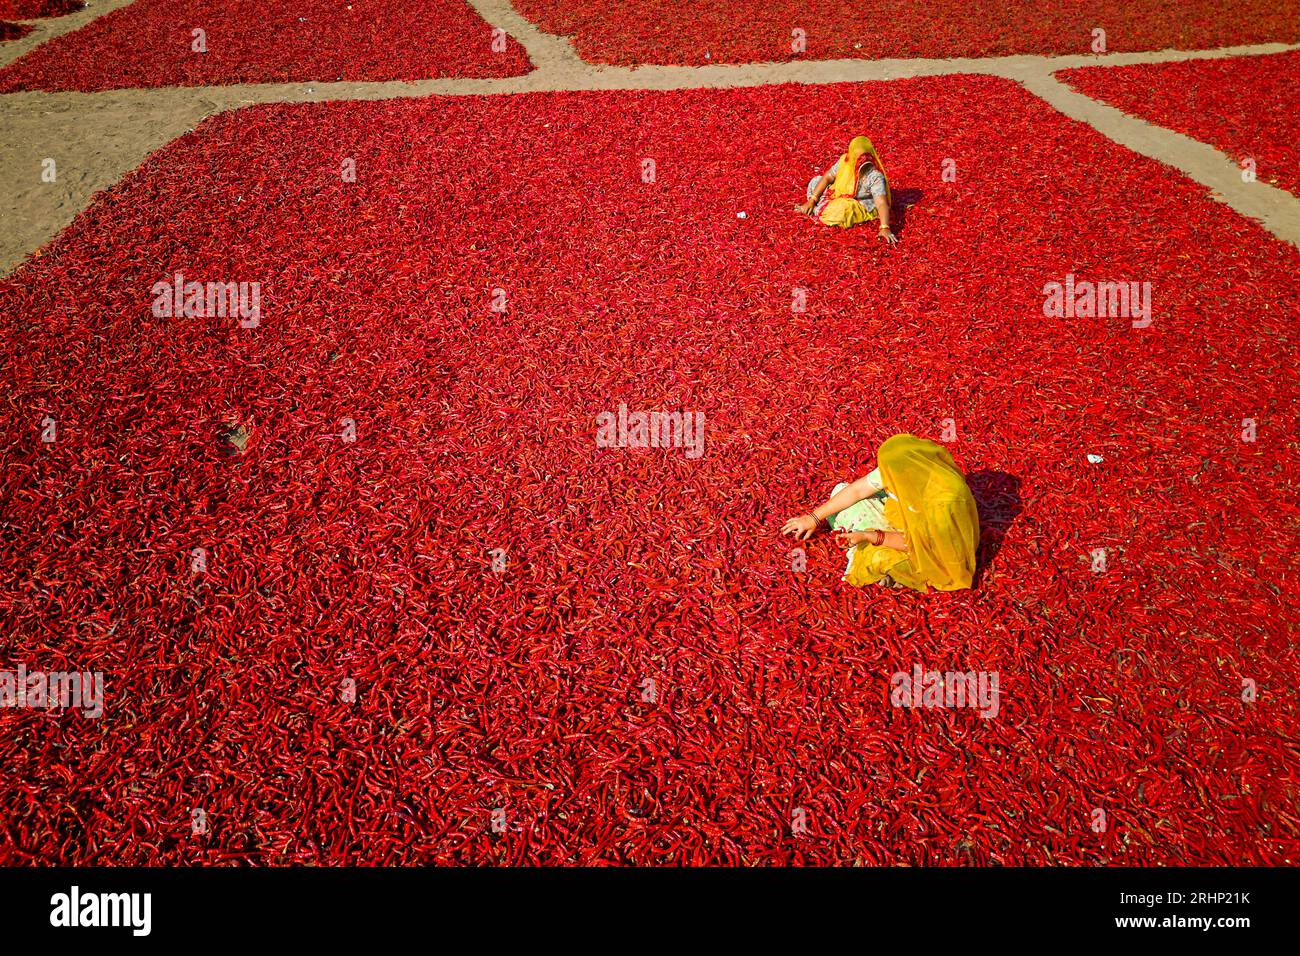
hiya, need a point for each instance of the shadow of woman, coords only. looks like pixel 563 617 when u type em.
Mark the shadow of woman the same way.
pixel 902 201
pixel 997 497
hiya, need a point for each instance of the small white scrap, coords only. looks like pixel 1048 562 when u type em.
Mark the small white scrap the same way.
pixel 1095 459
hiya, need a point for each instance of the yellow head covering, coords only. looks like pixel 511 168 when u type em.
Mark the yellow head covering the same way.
pixel 935 510
pixel 844 209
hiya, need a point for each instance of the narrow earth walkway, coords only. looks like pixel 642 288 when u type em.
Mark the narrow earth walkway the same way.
pixel 94 139
pixel 1276 209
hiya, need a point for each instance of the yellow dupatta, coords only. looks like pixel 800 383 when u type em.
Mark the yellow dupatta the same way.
pixel 844 209
pixel 935 510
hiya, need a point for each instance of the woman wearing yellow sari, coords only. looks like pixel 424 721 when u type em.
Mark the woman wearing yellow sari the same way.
pixel 859 191
pixel 912 521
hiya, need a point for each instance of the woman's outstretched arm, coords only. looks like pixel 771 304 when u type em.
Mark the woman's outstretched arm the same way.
pixel 807 208
pixel 882 210
pixel 805 526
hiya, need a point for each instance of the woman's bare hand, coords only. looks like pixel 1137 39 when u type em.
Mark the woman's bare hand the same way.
pixel 888 236
pixel 802 527
pixel 849 539
pixel 804 209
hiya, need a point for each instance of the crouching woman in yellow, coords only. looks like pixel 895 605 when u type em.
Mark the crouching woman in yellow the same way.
pixel 912 521
pixel 859 191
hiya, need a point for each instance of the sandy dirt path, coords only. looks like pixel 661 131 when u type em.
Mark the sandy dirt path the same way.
pixel 94 139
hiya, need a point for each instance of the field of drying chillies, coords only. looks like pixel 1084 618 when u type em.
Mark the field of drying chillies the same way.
pixel 150 43
pixel 696 32
pixel 1244 107
pixel 523 690
pixel 36 9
